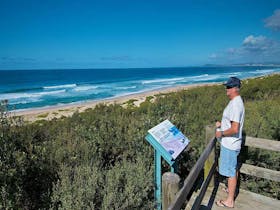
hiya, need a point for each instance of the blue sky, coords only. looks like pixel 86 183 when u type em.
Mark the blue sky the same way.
pixel 137 33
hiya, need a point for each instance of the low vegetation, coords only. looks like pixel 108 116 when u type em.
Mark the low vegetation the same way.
pixel 99 159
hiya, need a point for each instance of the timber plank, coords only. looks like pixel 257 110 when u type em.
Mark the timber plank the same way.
pixel 262 143
pixel 245 200
pixel 260 172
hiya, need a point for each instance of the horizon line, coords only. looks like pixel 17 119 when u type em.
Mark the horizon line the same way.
pixel 157 67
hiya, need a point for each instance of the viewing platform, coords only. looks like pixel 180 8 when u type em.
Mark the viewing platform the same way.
pixel 203 197
pixel 245 200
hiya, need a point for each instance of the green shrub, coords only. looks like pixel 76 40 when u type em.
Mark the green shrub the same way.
pixel 99 159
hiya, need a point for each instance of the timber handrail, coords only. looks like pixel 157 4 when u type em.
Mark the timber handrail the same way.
pixel 181 196
pixel 262 143
pixel 261 172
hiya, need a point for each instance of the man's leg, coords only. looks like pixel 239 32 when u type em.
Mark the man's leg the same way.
pixel 226 188
pixel 232 182
pixel 229 202
pixel 228 167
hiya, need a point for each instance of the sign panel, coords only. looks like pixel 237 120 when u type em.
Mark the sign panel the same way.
pixel 170 138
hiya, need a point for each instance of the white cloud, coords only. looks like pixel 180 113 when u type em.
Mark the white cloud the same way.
pixel 258 44
pixel 213 56
pixel 252 49
pixel 273 21
pixel 117 58
pixel 251 40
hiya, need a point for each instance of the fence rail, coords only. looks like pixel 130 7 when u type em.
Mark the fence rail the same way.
pixel 190 180
pixel 262 143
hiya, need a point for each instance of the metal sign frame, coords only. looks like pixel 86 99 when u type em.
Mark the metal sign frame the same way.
pixel 160 152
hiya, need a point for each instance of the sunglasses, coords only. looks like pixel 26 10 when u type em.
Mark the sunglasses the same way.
pixel 228 87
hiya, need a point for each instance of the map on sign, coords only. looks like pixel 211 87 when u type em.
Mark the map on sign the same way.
pixel 170 138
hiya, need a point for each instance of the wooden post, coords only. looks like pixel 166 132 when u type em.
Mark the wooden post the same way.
pixel 210 134
pixel 170 186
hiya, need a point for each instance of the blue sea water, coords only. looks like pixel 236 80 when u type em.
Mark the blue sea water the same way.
pixel 26 89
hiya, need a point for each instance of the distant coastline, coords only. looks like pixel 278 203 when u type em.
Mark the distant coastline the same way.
pixel 247 64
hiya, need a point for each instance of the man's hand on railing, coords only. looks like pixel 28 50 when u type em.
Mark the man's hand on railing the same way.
pixel 218 124
pixel 218 132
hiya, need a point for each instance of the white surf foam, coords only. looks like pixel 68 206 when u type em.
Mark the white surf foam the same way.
pixel 60 86
pixel 162 80
pixel 85 88
pixel 10 96
pixel 126 88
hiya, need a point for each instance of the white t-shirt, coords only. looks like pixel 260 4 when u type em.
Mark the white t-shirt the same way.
pixel 234 111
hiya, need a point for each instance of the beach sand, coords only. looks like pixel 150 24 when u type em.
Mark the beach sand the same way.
pixel 48 113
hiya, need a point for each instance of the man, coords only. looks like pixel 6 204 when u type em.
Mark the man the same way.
pixel 230 132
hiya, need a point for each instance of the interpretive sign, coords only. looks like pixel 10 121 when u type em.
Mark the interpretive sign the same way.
pixel 170 138
pixel 168 143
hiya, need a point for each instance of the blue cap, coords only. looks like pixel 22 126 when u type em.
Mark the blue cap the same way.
pixel 233 82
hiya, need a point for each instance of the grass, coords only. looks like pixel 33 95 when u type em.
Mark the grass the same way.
pixel 43 115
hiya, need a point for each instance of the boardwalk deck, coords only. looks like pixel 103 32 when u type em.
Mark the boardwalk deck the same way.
pixel 205 200
pixel 245 200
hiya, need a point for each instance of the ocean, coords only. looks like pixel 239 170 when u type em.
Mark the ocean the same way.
pixel 25 89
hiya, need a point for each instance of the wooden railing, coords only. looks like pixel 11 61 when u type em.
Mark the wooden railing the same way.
pixel 209 161
pixel 259 171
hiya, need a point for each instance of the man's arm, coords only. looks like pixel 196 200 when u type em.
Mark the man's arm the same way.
pixel 229 132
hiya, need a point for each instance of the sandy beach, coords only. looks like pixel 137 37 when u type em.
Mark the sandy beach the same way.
pixel 51 112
